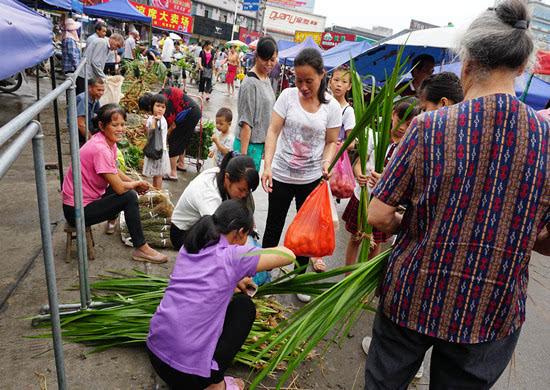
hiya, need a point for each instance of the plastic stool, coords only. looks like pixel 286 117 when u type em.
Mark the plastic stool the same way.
pixel 71 235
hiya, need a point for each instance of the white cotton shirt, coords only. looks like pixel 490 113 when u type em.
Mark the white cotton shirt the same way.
pixel 348 118
pixel 200 198
pixel 299 154
pixel 227 142
pixel 370 165
pixel 167 50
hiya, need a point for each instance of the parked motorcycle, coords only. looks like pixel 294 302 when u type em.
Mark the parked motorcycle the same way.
pixel 13 83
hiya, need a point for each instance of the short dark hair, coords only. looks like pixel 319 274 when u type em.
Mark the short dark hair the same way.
pixel 266 47
pixel 419 61
pixel 165 33
pixel 99 26
pixel 401 108
pixel 159 98
pixel 95 80
pixel 145 102
pixel 109 33
pixel 226 113
pixel 442 85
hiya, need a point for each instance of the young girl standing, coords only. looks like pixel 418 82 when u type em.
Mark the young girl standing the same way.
pixel 198 328
pixel 300 144
pixel 351 213
pixel 158 168
pixel 340 84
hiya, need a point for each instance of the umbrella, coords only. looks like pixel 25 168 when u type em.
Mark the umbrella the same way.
pixel 236 42
pixel 253 44
pixel 380 60
pixel 175 36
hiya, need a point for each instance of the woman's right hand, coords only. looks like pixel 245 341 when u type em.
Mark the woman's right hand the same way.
pixel 362 179
pixel 267 180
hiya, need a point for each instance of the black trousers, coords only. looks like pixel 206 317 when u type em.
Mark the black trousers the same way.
pixel 205 84
pixel 239 318
pixel 177 236
pixel 279 203
pixel 108 207
pixel 180 137
pixel 396 353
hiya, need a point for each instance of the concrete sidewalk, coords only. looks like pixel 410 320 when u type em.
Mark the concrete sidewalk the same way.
pixel 129 368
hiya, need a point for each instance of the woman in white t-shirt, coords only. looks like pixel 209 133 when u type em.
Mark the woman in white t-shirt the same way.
pixel 235 178
pixel 300 143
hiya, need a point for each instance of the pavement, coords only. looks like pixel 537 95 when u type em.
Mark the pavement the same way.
pixel 23 287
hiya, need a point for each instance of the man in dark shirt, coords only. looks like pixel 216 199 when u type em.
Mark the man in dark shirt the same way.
pixel 422 67
pixel 96 89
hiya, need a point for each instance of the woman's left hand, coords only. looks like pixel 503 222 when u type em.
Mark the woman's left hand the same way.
pixel 324 170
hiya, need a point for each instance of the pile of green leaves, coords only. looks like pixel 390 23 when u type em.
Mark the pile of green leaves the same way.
pixel 206 142
pixel 132 156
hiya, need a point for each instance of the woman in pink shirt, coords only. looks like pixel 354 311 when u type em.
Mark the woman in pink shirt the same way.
pixel 106 190
pixel 205 66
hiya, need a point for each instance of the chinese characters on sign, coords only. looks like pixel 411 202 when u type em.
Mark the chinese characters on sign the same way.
pixel 291 18
pixel 166 19
pixel 305 5
pixel 300 36
pixel 181 6
pixel 287 21
pixel 248 36
pixel 331 39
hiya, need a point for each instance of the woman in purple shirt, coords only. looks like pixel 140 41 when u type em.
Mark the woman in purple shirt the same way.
pixel 198 328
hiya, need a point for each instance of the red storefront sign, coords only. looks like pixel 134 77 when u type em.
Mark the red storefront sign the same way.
pixel 169 20
pixel 331 39
pixel 181 6
pixel 248 36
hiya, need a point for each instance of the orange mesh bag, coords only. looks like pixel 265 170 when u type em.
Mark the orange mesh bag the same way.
pixel 312 231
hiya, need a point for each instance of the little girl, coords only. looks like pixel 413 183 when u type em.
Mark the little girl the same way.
pixel 351 213
pixel 158 168
pixel 198 328
pixel 340 84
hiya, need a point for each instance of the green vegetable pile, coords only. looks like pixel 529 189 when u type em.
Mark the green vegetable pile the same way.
pixel 206 143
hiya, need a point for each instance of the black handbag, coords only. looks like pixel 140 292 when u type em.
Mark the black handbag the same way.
pixel 153 149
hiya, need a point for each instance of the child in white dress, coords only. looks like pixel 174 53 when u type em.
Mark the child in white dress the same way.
pixel 158 168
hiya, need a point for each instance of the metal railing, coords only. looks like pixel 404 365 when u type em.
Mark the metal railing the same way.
pixel 32 130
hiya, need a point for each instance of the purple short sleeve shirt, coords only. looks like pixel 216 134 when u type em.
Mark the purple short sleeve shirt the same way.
pixel 189 320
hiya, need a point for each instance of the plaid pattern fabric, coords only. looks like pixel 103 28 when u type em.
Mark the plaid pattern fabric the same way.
pixel 70 54
pixel 475 181
pixel 351 215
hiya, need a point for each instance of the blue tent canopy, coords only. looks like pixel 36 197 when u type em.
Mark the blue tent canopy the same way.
pixel 340 54
pixel 118 9
pixel 73 5
pixel 380 60
pixel 283 45
pixel 287 56
pixel 537 95
pixel 26 38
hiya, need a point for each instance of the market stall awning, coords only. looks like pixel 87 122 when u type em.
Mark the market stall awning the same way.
pixel 118 9
pixel 26 38
pixel 283 45
pixel 341 53
pixel 287 56
pixel 380 60
pixel 73 5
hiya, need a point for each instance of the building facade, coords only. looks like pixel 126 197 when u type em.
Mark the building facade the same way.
pixel 540 24
pixel 361 34
pixel 282 23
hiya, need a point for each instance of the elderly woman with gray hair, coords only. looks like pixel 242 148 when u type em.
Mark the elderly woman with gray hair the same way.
pixel 475 179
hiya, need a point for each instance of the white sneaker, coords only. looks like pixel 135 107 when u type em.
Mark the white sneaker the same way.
pixel 366 344
pixel 420 372
pixel 303 297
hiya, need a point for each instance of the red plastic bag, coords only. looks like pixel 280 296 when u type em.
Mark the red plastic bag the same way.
pixel 312 231
pixel 342 181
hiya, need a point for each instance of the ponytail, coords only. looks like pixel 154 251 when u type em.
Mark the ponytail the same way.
pixel 238 166
pixel 231 215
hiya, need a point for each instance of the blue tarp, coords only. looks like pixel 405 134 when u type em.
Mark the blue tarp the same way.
pixel 26 38
pixel 283 45
pixel 537 95
pixel 380 60
pixel 287 56
pixel 341 53
pixel 118 9
pixel 73 5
